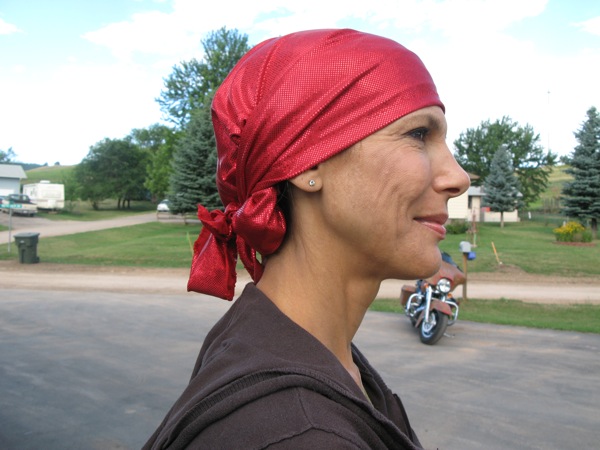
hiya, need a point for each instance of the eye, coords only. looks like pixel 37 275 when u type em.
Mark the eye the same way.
pixel 419 133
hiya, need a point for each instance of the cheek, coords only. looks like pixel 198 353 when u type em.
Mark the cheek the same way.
pixel 410 183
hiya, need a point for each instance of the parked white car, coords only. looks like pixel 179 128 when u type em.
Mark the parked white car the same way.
pixel 163 206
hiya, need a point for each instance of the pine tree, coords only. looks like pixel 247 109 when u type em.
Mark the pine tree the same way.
pixel 193 179
pixel 581 196
pixel 501 185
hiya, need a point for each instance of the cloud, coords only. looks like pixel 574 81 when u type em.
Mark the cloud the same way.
pixel 173 36
pixel 77 106
pixel 155 33
pixel 8 28
pixel 591 26
pixel 177 34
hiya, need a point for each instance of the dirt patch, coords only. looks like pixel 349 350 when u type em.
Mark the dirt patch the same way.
pixel 577 244
pixel 515 275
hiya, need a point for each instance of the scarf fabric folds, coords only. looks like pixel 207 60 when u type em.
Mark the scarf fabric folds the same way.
pixel 289 104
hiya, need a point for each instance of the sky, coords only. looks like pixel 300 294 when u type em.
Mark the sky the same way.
pixel 75 72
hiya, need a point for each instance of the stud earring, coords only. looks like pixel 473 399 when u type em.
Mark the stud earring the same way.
pixel 311 183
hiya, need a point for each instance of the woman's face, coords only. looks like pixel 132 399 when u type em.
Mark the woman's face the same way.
pixel 385 198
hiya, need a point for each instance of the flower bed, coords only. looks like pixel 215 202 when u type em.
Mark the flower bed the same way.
pixel 572 232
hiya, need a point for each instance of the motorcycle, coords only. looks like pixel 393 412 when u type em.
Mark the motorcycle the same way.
pixel 430 305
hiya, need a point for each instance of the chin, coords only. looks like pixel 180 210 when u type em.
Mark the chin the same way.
pixel 426 267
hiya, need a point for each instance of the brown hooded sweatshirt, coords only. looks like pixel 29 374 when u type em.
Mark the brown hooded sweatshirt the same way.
pixel 261 381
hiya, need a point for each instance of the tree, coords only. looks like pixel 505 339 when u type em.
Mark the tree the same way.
pixel 475 149
pixel 89 178
pixel 581 196
pixel 72 189
pixel 190 82
pixel 501 185
pixel 113 168
pixel 160 168
pixel 193 178
pixel 150 139
pixel 7 156
pixel 158 141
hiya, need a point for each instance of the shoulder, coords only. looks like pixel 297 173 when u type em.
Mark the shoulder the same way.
pixel 290 418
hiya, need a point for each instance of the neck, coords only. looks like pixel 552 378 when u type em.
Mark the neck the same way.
pixel 328 303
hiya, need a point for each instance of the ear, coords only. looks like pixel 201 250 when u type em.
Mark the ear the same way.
pixel 308 181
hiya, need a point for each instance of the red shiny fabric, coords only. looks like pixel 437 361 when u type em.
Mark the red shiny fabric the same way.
pixel 291 103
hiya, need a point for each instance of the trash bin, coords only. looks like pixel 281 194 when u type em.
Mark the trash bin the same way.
pixel 27 244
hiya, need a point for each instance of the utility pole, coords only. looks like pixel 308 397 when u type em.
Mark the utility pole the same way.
pixel 549 124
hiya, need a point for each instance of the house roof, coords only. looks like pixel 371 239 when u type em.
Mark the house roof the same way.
pixel 12 171
pixel 479 191
pixel 475 191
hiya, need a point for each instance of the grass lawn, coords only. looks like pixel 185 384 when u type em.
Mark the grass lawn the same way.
pixel 582 318
pixel 154 244
pixel 530 245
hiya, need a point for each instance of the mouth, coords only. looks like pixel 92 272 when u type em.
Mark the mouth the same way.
pixel 435 223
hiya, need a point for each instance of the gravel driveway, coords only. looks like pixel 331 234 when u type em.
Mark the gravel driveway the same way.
pixel 47 227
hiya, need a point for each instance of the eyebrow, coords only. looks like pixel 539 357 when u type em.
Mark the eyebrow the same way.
pixel 428 120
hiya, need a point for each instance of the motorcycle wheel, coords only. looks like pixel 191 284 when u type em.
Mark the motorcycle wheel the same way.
pixel 432 331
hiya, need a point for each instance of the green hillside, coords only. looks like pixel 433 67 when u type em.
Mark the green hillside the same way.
pixel 54 174
pixel 549 199
pixel 557 178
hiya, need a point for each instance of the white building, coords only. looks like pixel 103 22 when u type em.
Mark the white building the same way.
pixel 468 206
pixel 10 179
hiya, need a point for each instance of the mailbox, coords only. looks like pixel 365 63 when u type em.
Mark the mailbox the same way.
pixel 465 247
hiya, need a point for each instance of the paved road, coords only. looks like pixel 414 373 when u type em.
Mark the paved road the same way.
pixel 99 369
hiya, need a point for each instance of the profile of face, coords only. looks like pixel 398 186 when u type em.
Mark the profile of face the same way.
pixel 384 200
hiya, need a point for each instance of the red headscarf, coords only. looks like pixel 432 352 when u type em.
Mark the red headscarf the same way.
pixel 289 104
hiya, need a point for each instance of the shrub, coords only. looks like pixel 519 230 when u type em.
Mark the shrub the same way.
pixel 586 236
pixel 457 227
pixel 572 232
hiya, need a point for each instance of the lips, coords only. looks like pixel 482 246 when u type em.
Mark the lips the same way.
pixel 435 223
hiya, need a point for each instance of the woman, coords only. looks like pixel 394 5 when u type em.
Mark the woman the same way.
pixel 335 175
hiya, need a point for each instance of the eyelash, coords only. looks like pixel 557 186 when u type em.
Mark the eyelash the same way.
pixel 419 133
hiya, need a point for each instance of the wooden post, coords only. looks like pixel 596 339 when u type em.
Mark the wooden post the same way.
pixel 465 259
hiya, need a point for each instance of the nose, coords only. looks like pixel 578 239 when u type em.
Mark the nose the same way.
pixel 451 178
